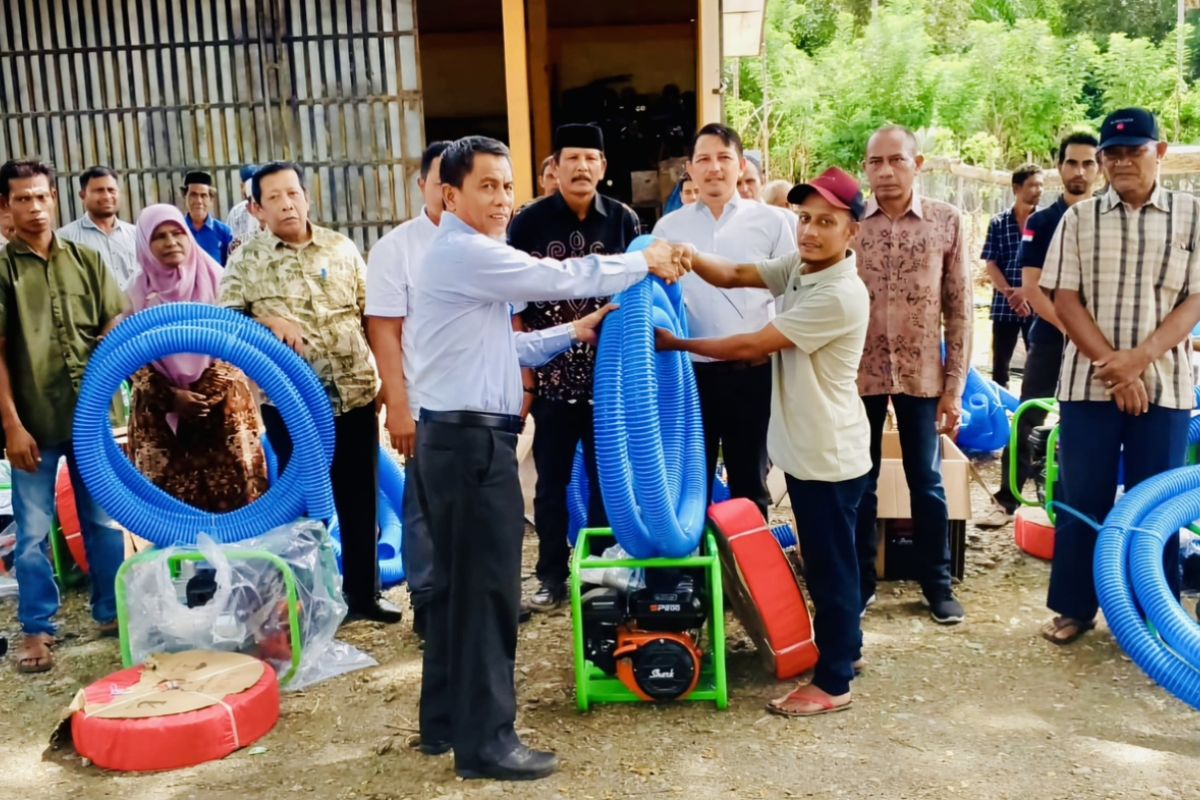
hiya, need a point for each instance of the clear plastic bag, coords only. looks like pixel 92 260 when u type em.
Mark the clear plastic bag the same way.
pixel 235 598
pixel 622 579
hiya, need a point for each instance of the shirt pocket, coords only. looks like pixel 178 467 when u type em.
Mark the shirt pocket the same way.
pixel 1175 277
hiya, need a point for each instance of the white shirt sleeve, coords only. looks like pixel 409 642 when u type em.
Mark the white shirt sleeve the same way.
pixel 535 348
pixel 387 279
pixel 495 272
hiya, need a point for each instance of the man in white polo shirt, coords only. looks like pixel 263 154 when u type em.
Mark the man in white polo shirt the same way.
pixel 819 433
pixel 735 393
pixel 388 266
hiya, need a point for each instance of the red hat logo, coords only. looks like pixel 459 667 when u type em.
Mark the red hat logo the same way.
pixel 1120 126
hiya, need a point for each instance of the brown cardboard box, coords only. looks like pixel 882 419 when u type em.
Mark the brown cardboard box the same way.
pixel 670 170
pixel 895 516
pixel 645 188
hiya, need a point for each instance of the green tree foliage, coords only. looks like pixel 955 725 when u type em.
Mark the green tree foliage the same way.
pixel 995 82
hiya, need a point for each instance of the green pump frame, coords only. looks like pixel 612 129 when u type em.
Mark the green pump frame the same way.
pixel 592 685
pixel 1050 406
pixel 173 563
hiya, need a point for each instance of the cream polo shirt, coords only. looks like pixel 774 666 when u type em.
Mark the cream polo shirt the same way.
pixel 818 429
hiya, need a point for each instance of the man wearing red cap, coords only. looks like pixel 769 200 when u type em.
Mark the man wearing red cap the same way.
pixel 818 432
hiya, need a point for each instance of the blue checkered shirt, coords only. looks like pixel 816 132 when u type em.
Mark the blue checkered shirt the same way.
pixel 1002 245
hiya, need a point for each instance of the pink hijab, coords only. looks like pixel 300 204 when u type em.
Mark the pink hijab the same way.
pixel 196 280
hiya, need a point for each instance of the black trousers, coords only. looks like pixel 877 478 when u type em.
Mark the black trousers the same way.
pixel 471 495
pixel 1042 365
pixel 921 450
pixel 416 546
pixel 559 429
pixel 1004 341
pixel 355 478
pixel 825 514
pixel 735 405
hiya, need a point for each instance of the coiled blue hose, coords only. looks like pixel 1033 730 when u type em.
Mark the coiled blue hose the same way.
pixel 129 498
pixel 1130 580
pixel 390 514
pixel 578 496
pixel 649 440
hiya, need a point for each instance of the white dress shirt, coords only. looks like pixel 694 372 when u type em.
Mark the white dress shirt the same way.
pixel 466 356
pixel 389 273
pixel 118 250
pixel 747 232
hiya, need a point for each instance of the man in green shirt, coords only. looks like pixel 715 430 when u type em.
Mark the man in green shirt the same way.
pixel 57 299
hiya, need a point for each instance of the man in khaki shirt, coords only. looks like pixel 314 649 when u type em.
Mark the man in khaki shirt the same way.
pixel 819 434
pixel 308 285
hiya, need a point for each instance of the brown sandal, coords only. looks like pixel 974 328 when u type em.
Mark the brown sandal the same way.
pixel 35 654
pixel 803 702
pixel 1065 630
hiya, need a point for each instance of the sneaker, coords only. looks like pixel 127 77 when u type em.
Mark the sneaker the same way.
pixel 998 517
pixel 946 610
pixel 549 596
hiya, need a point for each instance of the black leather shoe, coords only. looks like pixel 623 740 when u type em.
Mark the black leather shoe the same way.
pixel 435 748
pixel 522 764
pixel 380 610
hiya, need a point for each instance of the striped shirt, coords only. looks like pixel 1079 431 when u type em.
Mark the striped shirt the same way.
pixel 1131 269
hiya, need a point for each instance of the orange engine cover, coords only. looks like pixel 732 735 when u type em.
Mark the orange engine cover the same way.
pixel 763 589
pixel 657 665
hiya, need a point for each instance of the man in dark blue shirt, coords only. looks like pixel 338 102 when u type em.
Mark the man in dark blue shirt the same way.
pixel 1078 168
pixel 1011 315
pixel 211 234
pixel 575 221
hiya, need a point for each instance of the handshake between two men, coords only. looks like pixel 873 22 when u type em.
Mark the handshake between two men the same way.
pixel 666 260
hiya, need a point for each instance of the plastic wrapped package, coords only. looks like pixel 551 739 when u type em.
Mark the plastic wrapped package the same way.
pixel 235 597
pixel 622 579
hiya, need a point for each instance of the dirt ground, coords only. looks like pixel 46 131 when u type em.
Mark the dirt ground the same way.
pixel 982 710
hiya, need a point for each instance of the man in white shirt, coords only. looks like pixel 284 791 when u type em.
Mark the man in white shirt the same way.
pixel 241 219
pixel 114 239
pixel 389 266
pixel 735 394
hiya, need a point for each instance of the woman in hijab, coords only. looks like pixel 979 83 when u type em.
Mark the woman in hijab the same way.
pixel 194 427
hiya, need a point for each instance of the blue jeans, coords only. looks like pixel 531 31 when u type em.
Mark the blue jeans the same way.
pixel 916 421
pixel 825 513
pixel 33 511
pixel 1091 439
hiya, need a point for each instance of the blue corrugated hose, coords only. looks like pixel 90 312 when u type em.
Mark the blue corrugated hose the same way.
pixel 1132 586
pixel 134 502
pixel 391 512
pixel 578 494
pixel 649 439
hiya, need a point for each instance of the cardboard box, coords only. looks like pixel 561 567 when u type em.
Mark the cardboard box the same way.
pixel 645 188
pixel 895 559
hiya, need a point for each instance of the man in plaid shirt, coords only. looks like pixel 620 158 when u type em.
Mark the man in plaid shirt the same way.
pixel 1011 314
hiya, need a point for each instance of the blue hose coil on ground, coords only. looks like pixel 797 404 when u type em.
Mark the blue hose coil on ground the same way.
pixel 1129 579
pixel 720 487
pixel 390 514
pixel 785 536
pixel 649 439
pixel 287 379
